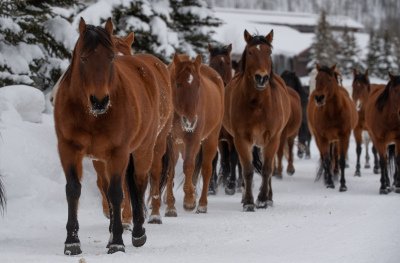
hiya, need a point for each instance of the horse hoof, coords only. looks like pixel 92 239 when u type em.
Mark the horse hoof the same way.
pixel 343 188
pixel 290 171
pixel 300 155
pixel 384 191
pixel 331 185
pixel 230 190
pixel 72 249
pixel 377 170
pixel 171 212
pixel 346 165
pixel 212 192
pixel 397 190
pixel 189 207
pixel 201 209
pixel 249 208
pixel 139 241
pixel 357 173
pixel 270 203
pixel 261 204
pixel 116 248
pixel 308 157
pixel 367 166
pixel 155 219
pixel 278 176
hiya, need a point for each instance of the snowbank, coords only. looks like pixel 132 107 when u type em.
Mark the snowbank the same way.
pixel 20 102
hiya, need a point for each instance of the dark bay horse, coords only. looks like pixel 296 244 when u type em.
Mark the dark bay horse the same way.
pixel 382 119
pixel 332 116
pixel 220 61
pixel 198 96
pixel 304 135
pixel 361 90
pixel 107 108
pixel 289 133
pixel 257 109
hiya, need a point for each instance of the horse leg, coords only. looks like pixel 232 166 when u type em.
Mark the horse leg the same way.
pixel 170 211
pixel 239 182
pixel 224 150
pixel 279 154
pixel 102 184
pixel 71 161
pixel 265 195
pixel 230 187
pixel 191 150
pixel 358 137
pixel 366 143
pixel 126 207
pixel 376 160
pixel 212 189
pixel 210 148
pixel 397 174
pixel 343 145
pixel 383 163
pixel 290 168
pixel 324 148
pixel 245 156
pixel 308 153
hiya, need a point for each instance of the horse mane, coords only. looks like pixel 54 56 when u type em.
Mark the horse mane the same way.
pixel 256 40
pixel 384 96
pixel 293 81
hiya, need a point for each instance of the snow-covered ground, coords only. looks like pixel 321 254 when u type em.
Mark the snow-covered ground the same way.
pixel 308 222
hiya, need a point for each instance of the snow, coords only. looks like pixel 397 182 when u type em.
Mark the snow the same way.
pixel 308 223
pixel 18 58
pixel 62 31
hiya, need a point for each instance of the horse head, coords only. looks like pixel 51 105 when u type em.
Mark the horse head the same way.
pixel 93 63
pixel 326 84
pixel 256 59
pixel 123 44
pixel 220 60
pixel 361 88
pixel 187 90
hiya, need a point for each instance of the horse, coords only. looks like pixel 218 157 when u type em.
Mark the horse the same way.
pixel 198 96
pixel 382 119
pixel 220 61
pixel 361 90
pixel 257 109
pixel 332 116
pixel 107 108
pixel 304 135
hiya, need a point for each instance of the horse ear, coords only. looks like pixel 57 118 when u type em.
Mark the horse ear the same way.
pixel 209 47
pixel 176 59
pixel 82 26
pixel 366 73
pixel 247 36
pixel 129 39
pixel 270 36
pixel 391 76
pixel 198 61
pixel 317 66
pixel 109 26
pixel 333 68
pixel 355 72
pixel 229 48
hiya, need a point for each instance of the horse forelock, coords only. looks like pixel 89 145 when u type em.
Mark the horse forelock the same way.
pixel 95 35
pixel 327 70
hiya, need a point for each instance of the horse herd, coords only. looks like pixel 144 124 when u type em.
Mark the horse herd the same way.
pixel 134 116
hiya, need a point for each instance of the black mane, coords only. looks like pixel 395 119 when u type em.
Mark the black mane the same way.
pixel 95 35
pixel 361 78
pixel 327 70
pixel 221 50
pixel 293 81
pixel 384 96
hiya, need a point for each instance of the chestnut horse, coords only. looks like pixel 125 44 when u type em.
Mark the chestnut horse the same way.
pixel 122 135
pixel 257 109
pixel 332 116
pixel 361 90
pixel 198 96
pixel 220 61
pixel 382 119
pixel 289 134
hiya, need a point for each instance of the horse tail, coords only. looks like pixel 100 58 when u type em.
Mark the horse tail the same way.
pixel 320 169
pixel 257 163
pixel 167 161
pixel 197 166
pixel 391 160
pixel 136 198
pixel 3 199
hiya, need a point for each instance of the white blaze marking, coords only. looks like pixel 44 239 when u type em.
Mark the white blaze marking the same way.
pixel 190 79
pixel 258 47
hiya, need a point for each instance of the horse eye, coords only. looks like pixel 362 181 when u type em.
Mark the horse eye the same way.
pixel 250 53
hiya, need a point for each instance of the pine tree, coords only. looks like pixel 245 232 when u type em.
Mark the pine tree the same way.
pixel 386 58
pixel 193 21
pixel 373 54
pixel 323 47
pixel 348 57
pixel 396 53
pixel 29 54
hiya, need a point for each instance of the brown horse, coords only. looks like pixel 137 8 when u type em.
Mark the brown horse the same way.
pixel 382 119
pixel 361 90
pixel 220 61
pixel 289 134
pixel 257 109
pixel 122 135
pixel 331 115
pixel 198 96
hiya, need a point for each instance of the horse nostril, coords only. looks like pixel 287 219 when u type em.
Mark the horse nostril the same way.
pixel 258 78
pixel 105 101
pixel 99 104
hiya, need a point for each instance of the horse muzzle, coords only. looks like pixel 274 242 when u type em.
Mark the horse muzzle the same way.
pixel 187 125
pixel 261 81
pixel 99 106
